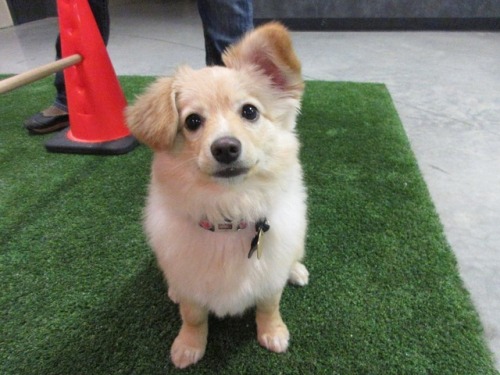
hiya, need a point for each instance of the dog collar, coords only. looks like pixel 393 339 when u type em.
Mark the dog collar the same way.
pixel 261 226
pixel 226 226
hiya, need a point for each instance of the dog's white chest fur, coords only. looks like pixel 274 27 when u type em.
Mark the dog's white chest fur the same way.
pixel 213 268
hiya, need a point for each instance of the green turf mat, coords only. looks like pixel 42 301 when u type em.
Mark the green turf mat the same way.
pixel 81 293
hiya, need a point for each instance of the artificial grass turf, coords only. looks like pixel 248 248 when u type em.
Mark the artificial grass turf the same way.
pixel 81 293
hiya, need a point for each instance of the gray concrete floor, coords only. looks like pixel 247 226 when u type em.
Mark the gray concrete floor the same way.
pixel 446 87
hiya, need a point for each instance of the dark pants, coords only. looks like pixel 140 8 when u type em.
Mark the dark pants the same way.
pixel 224 22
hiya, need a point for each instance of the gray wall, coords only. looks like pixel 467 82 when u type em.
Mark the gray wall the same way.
pixel 444 14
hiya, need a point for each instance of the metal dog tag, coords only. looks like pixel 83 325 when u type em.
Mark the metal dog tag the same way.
pixel 259 248
pixel 256 245
pixel 260 227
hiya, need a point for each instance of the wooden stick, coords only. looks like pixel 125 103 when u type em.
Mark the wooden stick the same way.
pixel 40 72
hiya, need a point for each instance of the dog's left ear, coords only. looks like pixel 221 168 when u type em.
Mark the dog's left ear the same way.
pixel 153 118
pixel 269 49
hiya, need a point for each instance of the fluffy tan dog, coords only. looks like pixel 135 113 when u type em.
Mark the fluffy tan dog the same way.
pixel 226 213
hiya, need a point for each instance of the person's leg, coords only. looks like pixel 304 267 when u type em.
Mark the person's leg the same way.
pixel 224 22
pixel 55 117
pixel 60 102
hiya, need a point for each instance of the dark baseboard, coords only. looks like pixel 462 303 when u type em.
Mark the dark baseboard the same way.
pixel 387 24
pixel 23 11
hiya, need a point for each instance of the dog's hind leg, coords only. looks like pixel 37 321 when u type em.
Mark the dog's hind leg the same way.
pixel 189 345
pixel 299 275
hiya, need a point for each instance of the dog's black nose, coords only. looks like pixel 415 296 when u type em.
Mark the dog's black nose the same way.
pixel 226 150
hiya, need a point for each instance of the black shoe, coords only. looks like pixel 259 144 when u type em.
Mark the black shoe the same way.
pixel 41 124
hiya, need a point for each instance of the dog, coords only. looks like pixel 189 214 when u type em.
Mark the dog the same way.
pixel 226 210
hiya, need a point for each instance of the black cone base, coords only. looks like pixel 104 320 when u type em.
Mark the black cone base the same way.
pixel 62 144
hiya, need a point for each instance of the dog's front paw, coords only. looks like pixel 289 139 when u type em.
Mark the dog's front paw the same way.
pixel 184 354
pixel 299 275
pixel 275 339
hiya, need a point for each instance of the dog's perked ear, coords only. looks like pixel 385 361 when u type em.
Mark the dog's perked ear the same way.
pixel 269 49
pixel 153 118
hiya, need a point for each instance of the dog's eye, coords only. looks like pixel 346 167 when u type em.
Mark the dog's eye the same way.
pixel 249 112
pixel 193 122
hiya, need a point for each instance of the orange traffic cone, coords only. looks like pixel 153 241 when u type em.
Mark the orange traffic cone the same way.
pixel 95 98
